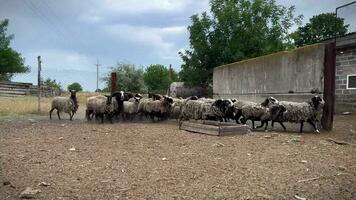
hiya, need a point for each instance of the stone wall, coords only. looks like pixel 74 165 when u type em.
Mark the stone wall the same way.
pixel 345 65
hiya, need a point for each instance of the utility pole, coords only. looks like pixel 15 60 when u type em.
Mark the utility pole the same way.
pixel 97 74
pixel 170 73
pixel 39 83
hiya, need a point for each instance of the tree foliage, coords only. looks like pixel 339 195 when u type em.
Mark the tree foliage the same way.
pixel 52 84
pixel 234 30
pixel 75 86
pixel 157 78
pixel 10 61
pixel 319 27
pixel 129 78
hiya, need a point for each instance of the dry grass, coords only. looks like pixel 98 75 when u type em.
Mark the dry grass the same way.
pixel 28 104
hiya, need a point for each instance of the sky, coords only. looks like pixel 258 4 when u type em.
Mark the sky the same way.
pixel 72 35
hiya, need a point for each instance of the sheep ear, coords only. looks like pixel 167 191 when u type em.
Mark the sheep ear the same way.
pixel 265 103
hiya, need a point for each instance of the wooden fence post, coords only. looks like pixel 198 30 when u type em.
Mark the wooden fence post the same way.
pixel 113 82
pixel 329 86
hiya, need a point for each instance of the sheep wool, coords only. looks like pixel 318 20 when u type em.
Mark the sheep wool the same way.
pixel 131 107
pixel 297 112
pixel 63 104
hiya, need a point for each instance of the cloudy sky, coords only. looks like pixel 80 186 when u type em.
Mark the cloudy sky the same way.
pixel 71 35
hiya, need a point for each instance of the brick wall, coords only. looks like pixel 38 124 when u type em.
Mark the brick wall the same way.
pixel 345 65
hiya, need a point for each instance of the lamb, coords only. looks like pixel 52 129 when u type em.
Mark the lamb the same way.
pixel 130 108
pixel 65 104
pixel 295 112
pixel 101 105
pixel 159 108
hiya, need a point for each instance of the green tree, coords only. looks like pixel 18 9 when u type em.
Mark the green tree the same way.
pixel 75 86
pixel 234 30
pixel 319 27
pixel 11 61
pixel 157 78
pixel 129 78
pixel 52 84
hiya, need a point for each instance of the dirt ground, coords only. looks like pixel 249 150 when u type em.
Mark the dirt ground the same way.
pixel 147 160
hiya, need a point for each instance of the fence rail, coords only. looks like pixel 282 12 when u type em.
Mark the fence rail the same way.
pixel 18 89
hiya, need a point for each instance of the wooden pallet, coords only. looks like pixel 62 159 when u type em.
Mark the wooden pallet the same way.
pixel 214 128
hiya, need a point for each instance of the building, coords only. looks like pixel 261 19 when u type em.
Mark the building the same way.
pixel 345 86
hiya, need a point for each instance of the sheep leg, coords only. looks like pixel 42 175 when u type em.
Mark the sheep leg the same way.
pixel 301 126
pixel 50 113
pixel 87 114
pixel 70 116
pixel 266 125
pixel 313 125
pixel 253 124
pixel 102 118
pixel 237 116
pixel 282 125
pixel 59 117
pixel 262 124
pixel 152 117
pixel 243 120
pixel 110 116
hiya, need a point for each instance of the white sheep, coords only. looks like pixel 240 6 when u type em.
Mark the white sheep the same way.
pixel 65 104
pixel 130 108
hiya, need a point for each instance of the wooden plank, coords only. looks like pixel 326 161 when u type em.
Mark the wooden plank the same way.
pixel 218 130
pixel 232 130
pixel 216 123
pixel 199 128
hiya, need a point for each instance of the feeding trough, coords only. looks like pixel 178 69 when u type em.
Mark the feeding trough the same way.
pixel 214 127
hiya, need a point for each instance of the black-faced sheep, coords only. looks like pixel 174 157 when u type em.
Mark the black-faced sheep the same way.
pixel 257 112
pixel 204 110
pixel 101 106
pixel 65 104
pixel 154 96
pixel 295 112
pixel 159 108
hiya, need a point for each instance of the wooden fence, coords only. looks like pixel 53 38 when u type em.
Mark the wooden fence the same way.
pixel 18 89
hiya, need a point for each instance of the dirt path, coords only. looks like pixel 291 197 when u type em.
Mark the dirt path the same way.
pixel 158 161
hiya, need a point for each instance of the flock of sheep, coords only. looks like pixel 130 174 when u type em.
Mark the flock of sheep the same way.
pixel 127 106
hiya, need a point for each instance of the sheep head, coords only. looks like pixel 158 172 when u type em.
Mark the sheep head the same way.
pixel 269 101
pixel 277 110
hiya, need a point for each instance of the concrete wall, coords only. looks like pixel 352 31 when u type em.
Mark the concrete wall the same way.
pixel 345 99
pixel 289 75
